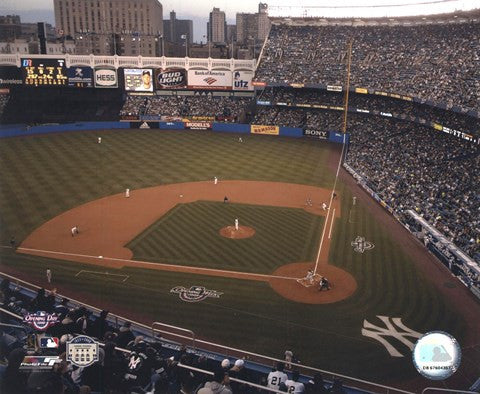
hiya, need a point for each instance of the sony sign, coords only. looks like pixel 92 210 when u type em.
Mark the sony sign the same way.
pixel 106 78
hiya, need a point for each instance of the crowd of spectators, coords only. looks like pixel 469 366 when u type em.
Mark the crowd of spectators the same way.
pixel 205 105
pixel 128 363
pixel 3 102
pixel 414 167
pixel 298 117
pixel 439 62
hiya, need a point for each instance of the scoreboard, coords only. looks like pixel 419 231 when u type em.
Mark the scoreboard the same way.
pixel 44 72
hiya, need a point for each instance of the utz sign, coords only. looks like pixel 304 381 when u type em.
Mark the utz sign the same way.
pixel 41 320
pixel 242 80
pixel 106 78
pixel 171 78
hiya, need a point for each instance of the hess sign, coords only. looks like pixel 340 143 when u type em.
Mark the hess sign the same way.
pixel 44 72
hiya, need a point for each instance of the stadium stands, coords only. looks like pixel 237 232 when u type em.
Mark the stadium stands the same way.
pixel 231 108
pixel 146 364
pixel 432 61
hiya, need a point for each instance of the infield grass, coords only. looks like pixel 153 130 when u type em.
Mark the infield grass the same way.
pixel 45 175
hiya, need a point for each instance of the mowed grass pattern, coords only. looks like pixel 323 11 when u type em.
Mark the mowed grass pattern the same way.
pixel 189 235
pixel 46 175
pixel 43 176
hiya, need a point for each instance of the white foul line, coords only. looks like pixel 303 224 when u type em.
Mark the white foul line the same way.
pixel 202 270
pixel 329 206
pixel 331 224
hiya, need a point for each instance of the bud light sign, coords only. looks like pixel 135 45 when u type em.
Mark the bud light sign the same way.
pixel 173 78
pixel 242 80
pixel 106 78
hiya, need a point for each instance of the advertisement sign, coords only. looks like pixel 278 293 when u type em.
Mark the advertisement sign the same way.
pixel 210 79
pixel 258 83
pixel 334 88
pixel 322 135
pixel 242 80
pixel 173 78
pixel 138 79
pixel 196 118
pixel 80 77
pixel 261 129
pixel 361 90
pixel 44 72
pixel 10 76
pixel 198 125
pixel 106 78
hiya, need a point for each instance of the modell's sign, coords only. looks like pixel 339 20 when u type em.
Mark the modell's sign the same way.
pixel 171 78
pixel 198 125
pixel 106 78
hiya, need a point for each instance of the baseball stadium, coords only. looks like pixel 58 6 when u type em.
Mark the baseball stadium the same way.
pixel 303 221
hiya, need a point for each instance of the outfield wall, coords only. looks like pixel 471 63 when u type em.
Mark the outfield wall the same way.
pixel 24 130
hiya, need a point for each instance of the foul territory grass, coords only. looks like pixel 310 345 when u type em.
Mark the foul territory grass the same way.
pixel 189 235
pixel 44 176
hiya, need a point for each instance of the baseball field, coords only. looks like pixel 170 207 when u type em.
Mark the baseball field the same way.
pixel 173 254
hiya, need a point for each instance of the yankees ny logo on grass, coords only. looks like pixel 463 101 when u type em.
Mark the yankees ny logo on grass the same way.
pixel 195 293
pixel 360 245
pixel 372 331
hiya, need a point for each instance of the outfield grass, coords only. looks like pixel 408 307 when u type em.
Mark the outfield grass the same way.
pixel 189 235
pixel 46 175
pixel 43 176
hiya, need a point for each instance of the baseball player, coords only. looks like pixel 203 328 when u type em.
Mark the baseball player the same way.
pixel 99 140
pixel 236 224
pixel 49 275
pixel 277 377
pixel 215 180
pixel 354 200
pixel 324 284
pixel 240 139
pixel 293 385
pixel 309 276
pixel 127 193
pixel 74 231
pixel 324 206
pixel 308 202
pixel 225 199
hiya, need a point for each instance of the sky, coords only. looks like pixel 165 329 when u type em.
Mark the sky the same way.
pixel 198 10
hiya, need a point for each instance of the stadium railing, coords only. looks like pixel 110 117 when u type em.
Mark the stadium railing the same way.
pixel 254 361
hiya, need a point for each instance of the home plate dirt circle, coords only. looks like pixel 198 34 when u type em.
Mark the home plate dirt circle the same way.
pixel 342 283
pixel 242 232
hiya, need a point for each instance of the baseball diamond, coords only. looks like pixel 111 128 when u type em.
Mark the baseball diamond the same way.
pixel 166 239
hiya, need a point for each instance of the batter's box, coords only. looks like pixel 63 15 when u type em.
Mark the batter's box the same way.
pixel 309 282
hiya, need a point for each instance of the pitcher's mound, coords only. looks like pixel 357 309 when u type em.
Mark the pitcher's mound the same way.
pixel 242 232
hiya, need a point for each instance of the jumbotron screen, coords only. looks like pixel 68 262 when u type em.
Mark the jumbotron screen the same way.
pixel 138 80
pixel 44 72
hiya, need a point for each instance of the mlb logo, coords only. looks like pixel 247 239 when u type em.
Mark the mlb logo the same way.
pixel 49 343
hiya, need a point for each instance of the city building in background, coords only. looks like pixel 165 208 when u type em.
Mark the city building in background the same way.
pixel 251 31
pixel 174 29
pixel 108 27
pixel 31 38
pixel 217 26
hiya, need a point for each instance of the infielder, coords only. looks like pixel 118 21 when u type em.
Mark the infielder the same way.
pixel 74 230
pixel 215 180
pixel 127 193
pixel 49 275
pixel 324 206
pixel 236 224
